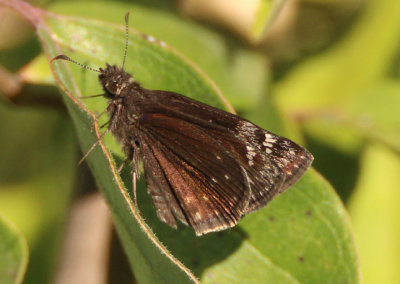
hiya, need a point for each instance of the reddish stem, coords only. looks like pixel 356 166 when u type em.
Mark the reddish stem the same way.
pixel 29 12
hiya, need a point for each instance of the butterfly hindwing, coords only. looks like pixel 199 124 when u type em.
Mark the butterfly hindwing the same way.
pixel 209 183
pixel 165 202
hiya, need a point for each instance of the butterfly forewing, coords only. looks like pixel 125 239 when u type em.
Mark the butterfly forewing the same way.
pixel 223 164
pixel 266 152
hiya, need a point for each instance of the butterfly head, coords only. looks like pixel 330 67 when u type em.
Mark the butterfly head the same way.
pixel 115 81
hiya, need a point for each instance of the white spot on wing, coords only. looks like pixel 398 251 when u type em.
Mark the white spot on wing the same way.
pixel 250 154
pixel 247 130
pixel 249 148
pixel 269 138
pixel 266 144
pixel 197 216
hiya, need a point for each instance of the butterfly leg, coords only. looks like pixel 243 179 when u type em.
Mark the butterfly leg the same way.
pixel 123 164
pixel 97 119
pixel 135 169
pixel 111 123
pixel 134 180
pixel 93 146
pixel 104 124
pixel 114 109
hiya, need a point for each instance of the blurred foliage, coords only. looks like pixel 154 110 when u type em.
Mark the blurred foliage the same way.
pixel 326 73
pixel 13 254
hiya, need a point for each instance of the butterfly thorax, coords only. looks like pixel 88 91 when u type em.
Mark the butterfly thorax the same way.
pixel 122 91
pixel 116 82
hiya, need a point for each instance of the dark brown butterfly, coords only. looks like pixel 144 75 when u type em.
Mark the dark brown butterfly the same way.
pixel 203 166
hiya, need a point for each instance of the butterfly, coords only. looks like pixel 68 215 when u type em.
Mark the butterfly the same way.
pixel 203 166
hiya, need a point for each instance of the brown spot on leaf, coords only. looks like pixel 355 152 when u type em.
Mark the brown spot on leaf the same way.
pixel 195 262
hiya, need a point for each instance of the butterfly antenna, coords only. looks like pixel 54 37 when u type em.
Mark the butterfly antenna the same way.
pixel 64 57
pixel 126 38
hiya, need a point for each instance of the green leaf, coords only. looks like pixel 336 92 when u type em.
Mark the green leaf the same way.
pixel 375 215
pixel 38 170
pixel 318 242
pixel 302 236
pixel 241 73
pixel 374 113
pixel 343 93
pixel 37 71
pixel 367 116
pixel 13 254
pixel 99 42
pixel 361 58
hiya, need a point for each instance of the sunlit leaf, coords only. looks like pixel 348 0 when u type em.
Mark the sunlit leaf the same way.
pixel 375 213
pixel 13 254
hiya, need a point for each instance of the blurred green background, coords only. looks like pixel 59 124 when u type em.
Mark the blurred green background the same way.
pixel 329 69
